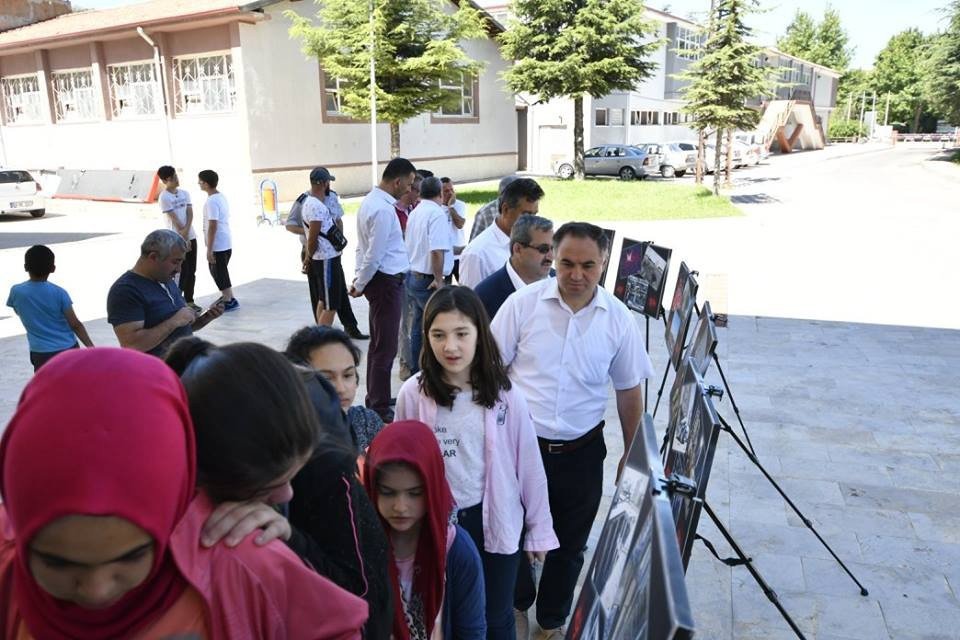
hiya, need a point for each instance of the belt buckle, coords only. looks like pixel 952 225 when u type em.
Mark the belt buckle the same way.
pixel 555 447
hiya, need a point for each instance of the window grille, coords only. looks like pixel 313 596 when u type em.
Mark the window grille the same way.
pixel 616 117
pixel 75 96
pixel 204 84
pixel 461 103
pixel 134 89
pixel 22 99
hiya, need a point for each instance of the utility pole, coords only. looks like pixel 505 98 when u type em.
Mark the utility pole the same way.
pixel 863 106
pixel 849 105
pixel 373 100
pixel 873 122
pixel 886 115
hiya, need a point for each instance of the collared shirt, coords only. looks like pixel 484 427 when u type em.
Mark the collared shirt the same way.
pixel 485 254
pixel 515 278
pixel 379 239
pixel 458 237
pixel 562 361
pixel 428 229
pixel 484 217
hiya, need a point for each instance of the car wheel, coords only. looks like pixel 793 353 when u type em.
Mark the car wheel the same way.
pixel 667 171
pixel 38 213
pixel 565 171
pixel 627 173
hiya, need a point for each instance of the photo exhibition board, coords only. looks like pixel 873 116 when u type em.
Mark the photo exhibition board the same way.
pixel 641 276
pixel 692 442
pixel 635 586
pixel 704 342
pixel 610 234
pixel 681 312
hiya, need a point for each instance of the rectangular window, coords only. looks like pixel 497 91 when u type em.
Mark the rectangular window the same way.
pixel 204 84
pixel 671 117
pixel 75 96
pixel 333 94
pixel 616 117
pixel 460 103
pixel 134 89
pixel 22 99
pixel 601 118
pixel 644 118
pixel 689 43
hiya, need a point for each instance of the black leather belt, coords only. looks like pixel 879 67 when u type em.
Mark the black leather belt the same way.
pixel 394 276
pixel 566 446
pixel 422 276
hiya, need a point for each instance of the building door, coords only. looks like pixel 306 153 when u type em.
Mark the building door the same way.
pixel 522 139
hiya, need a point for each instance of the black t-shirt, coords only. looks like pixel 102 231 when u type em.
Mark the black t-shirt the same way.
pixel 133 298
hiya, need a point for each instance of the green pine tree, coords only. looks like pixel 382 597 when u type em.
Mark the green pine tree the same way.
pixel 832 44
pixel 725 77
pixel 572 48
pixel 416 45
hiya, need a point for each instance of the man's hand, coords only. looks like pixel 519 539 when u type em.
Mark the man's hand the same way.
pixel 210 257
pixel 354 293
pixel 436 284
pixel 184 316
pixel 234 521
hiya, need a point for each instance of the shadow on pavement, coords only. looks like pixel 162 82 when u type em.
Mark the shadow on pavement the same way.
pixel 14 240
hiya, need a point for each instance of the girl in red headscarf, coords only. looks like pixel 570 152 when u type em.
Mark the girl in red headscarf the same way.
pixel 101 524
pixel 435 571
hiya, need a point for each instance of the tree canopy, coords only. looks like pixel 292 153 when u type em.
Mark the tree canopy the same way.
pixel 942 84
pixel 825 43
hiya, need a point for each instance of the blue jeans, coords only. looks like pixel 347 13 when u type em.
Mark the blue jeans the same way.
pixel 417 295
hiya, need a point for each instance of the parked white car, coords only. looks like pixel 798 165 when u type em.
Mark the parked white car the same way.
pixel 20 193
pixel 670 158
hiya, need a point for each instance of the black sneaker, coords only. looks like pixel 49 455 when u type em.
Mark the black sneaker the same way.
pixel 356 335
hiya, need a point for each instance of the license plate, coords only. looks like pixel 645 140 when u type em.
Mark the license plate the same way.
pixel 22 203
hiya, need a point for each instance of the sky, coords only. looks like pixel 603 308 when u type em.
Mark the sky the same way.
pixel 869 23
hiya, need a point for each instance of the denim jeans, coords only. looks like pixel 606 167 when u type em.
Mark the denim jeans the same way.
pixel 418 293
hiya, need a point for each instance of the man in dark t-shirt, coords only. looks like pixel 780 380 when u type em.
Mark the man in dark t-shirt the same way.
pixel 145 306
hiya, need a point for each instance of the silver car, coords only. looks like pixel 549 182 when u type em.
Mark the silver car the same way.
pixel 671 159
pixel 622 160
pixel 20 193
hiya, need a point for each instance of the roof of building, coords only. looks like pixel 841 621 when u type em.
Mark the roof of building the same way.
pixel 151 13
pixel 826 70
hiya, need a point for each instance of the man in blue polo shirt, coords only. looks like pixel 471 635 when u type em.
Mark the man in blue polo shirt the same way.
pixel 145 306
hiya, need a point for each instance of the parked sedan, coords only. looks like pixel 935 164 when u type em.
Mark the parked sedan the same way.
pixel 20 193
pixel 670 159
pixel 609 160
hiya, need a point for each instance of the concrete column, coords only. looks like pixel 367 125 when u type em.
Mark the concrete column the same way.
pixel 46 86
pixel 100 79
pixel 166 66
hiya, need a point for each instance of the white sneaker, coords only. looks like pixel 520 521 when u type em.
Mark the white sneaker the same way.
pixel 550 634
pixel 522 621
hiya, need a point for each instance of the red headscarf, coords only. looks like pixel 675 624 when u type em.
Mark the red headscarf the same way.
pixel 413 443
pixel 102 432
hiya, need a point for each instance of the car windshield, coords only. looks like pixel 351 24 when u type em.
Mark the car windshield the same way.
pixel 8 176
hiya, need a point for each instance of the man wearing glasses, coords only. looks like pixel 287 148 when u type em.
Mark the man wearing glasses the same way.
pixel 531 260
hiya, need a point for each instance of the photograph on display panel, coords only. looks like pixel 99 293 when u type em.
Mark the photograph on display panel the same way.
pixel 690 450
pixel 641 274
pixel 704 343
pixel 681 310
pixel 634 587
pixel 610 234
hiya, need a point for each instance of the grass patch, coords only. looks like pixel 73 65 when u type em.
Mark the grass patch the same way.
pixel 955 157
pixel 600 200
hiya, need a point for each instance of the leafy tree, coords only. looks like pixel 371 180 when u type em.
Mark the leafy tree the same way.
pixel 942 81
pixel 416 44
pixel 853 84
pixel 725 77
pixel 832 44
pixel 572 48
pixel 842 128
pixel 800 39
pixel 899 73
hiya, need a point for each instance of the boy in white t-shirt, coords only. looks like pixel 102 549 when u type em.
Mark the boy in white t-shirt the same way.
pixel 216 235
pixel 178 210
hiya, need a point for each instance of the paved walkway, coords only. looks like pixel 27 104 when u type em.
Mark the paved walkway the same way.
pixel 859 421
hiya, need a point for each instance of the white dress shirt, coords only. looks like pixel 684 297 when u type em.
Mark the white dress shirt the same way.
pixel 515 278
pixel 459 238
pixel 485 254
pixel 562 361
pixel 428 229
pixel 379 239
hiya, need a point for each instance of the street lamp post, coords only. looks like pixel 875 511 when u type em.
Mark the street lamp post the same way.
pixel 373 100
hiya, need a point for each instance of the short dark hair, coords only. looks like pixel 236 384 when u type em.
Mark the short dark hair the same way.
pixel 311 337
pixel 166 172
pixel 521 188
pixel 210 177
pixel 430 188
pixel 487 373
pixel 398 168
pixel 424 173
pixel 251 414
pixel 582 230
pixel 38 261
pixel 445 180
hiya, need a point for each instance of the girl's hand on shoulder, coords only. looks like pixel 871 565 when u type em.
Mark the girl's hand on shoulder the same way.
pixel 232 522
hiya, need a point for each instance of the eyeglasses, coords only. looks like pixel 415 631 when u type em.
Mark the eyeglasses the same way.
pixel 543 249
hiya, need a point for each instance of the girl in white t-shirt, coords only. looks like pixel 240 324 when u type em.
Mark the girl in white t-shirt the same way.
pixel 489 446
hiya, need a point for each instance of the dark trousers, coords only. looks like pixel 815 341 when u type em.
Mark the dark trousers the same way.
pixel 40 358
pixel 385 295
pixel 499 577
pixel 418 293
pixel 188 272
pixel 218 269
pixel 575 484
pixel 345 312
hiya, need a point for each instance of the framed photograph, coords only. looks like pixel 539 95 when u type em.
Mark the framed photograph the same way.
pixel 641 274
pixel 634 587
pixel 692 442
pixel 681 310
pixel 704 343
pixel 610 234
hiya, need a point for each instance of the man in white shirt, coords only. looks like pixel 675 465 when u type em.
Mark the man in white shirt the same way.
pixel 430 248
pixel 488 213
pixel 321 259
pixel 175 204
pixel 488 251
pixel 216 235
pixel 381 267
pixel 564 339
pixel 458 221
